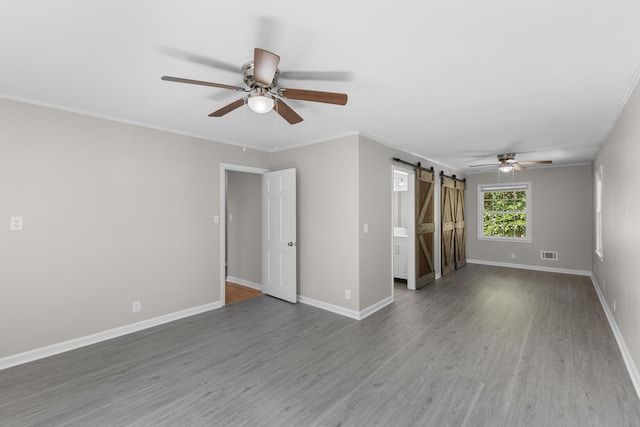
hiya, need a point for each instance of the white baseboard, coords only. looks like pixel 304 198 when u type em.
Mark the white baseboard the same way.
pixel 375 307
pixel 329 307
pixel 51 350
pixel 248 284
pixel 357 315
pixel 626 354
pixel 531 267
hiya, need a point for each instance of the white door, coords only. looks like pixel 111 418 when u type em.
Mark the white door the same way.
pixel 279 244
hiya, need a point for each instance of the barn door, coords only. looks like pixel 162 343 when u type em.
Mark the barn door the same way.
pixel 448 224
pixel 460 251
pixel 425 228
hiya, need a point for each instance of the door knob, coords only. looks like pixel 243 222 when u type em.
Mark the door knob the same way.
pixel 291 244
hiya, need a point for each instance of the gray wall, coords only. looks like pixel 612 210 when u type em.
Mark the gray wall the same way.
pixel 375 207
pixel 562 212
pixel 327 185
pixel 343 184
pixel 116 213
pixel 244 229
pixel 618 272
pixel 113 213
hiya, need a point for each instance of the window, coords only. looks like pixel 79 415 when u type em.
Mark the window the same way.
pixel 504 212
pixel 599 212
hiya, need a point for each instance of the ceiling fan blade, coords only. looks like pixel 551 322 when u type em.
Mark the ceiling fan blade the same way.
pixel 265 65
pixel 481 166
pixel 314 95
pixel 228 108
pixel 199 82
pixel 535 162
pixel 338 76
pixel 286 112
pixel 517 166
pixel 199 59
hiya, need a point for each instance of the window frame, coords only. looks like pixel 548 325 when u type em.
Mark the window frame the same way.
pixel 512 186
pixel 598 213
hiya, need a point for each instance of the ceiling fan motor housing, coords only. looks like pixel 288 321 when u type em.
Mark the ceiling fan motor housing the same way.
pixel 247 76
pixel 507 157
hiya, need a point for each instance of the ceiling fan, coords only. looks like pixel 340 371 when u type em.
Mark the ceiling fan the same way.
pixel 261 77
pixel 507 162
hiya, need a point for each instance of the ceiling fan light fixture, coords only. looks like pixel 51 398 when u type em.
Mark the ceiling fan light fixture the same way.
pixel 260 103
pixel 506 168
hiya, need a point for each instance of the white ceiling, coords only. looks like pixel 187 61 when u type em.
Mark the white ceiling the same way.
pixel 453 81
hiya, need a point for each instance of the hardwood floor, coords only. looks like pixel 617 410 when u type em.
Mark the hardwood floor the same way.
pixel 485 346
pixel 235 293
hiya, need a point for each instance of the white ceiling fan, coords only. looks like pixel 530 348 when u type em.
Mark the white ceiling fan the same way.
pixel 507 162
pixel 263 95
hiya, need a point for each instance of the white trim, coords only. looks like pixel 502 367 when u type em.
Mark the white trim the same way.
pixel 411 229
pixel 531 267
pixel 449 170
pixel 626 354
pixel 237 144
pixel 623 102
pixel 329 307
pixel 51 350
pixel 504 239
pixel 599 253
pixel 598 212
pixel 375 307
pixel 327 138
pixel 507 186
pixel 357 315
pixel 224 167
pixel 247 283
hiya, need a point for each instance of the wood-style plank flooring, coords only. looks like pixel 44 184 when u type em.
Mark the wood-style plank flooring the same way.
pixel 236 293
pixel 485 346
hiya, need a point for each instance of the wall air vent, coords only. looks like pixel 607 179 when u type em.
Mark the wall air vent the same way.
pixel 549 255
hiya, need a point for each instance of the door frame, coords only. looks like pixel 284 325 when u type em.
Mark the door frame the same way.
pixel 224 167
pixel 411 229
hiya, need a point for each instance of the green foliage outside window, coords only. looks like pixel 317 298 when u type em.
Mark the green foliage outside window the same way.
pixel 505 214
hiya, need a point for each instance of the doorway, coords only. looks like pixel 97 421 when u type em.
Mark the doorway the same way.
pixel 240 232
pixel 403 228
pixel 277 236
pixel 243 219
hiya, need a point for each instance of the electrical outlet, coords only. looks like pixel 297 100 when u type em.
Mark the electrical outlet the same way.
pixel 136 306
pixel 366 228
pixel 513 255
pixel 347 294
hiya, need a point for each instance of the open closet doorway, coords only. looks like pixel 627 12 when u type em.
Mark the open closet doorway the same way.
pixel 240 232
pixel 403 231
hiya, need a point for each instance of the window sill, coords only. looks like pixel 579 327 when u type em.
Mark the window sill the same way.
pixel 504 239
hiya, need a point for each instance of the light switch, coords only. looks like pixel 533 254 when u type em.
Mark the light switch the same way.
pixel 15 224
pixel 366 228
pixel 216 219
